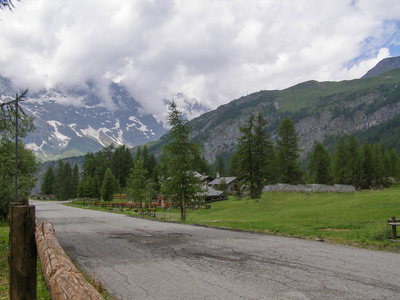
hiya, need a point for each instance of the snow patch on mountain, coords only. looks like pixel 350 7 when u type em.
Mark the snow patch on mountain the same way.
pixel 63 140
pixel 73 126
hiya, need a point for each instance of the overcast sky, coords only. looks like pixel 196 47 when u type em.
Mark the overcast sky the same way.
pixel 211 50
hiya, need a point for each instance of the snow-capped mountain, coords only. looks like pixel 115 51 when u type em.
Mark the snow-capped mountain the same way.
pixel 74 121
pixel 190 107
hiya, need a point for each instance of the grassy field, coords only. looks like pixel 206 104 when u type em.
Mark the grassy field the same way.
pixel 42 292
pixel 357 219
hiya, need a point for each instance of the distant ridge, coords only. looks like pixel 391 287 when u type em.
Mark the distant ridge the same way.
pixel 384 66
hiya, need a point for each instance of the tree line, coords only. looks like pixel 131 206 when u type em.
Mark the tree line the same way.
pixel 258 161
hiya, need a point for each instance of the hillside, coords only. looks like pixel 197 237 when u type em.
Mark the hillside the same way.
pixel 320 110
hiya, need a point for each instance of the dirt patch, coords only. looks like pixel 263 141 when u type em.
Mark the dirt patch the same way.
pixel 333 229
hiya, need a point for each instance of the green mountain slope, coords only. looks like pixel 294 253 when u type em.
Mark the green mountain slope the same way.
pixel 320 110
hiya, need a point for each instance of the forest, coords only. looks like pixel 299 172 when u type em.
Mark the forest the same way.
pixel 257 162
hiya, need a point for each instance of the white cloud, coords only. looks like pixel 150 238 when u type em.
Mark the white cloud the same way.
pixel 214 51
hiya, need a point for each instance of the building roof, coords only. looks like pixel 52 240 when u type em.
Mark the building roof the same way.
pixel 226 180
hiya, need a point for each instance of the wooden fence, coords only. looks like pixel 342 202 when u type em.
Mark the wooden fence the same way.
pixel 393 222
pixel 63 280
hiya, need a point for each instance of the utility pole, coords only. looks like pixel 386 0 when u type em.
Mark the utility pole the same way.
pixel 22 256
pixel 16 148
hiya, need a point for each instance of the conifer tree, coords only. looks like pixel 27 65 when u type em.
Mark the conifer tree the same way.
pixel 59 180
pixel 49 180
pixel 136 183
pixel 319 166
pixel 75 181
pixel 288 153
pixel 180 184
pixel 368 167
pixel 110 186
pixel 254 153
pixel 121 164
pixel 355 162
pixel 220 167
pixel 342 162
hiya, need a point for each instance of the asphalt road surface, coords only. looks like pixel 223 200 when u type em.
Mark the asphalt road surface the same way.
pixel 143 259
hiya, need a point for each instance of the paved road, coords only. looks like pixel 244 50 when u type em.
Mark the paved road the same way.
pixel 144 259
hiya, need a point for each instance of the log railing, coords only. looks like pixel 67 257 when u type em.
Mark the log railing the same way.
pixel 63 280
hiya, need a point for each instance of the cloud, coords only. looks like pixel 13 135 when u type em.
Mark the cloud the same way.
pixel 214 51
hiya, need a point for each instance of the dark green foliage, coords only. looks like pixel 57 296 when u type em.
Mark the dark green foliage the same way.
pixel 109 186
pixel 136 183
pixel 75 181
pixel 49 180
pixel 254 159
pixel 342 163
pixel 220 167
pixel 121 164
pixel 180 185
pixel 89 187
pixel 288 153
pixel 320 164
pixel 27 168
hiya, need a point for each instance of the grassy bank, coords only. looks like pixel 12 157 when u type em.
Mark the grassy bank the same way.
pixel 42 292
pixel 358 219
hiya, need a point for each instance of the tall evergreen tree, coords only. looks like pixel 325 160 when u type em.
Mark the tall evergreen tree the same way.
pixel 288 152
pixel 220 167
pixel 75 181
pixel 368 167
pixel 180 184
pixel 342 172
pixel 59 180
pixel 121 164
pixel 319 166
pixel 109 187
pixel 254 155
pixel 49 181
pixel 136 183
pixel 66 183
pixel 355 162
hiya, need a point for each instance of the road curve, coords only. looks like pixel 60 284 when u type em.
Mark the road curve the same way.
pixel 143 259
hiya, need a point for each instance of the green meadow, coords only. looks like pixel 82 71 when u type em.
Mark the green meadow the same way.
pixel 357 219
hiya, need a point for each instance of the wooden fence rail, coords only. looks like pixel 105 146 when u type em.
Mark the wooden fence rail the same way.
pixel 393 222
pixel 63 280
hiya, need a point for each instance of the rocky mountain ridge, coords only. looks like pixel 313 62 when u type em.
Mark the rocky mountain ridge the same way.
pixel 71 121
pixel 320 110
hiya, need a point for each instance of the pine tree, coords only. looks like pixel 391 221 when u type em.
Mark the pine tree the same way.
pixel 49 180
pixel 355 162
pixel 220 167
pixel 59 180
pixel 66 183
pixel 368 167
pixel 342 172
pixel 109 186
pixel 136 183
pixel 254 155
pixel 121 164
pixel 319 166
pixel 288 153
pixel 75 181
pixel 180 184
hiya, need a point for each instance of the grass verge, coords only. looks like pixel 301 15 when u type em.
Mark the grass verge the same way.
pixel 357 219
pixel 42 292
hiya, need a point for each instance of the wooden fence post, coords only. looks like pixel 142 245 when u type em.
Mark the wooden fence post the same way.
pixel 22 255
pixel 394 233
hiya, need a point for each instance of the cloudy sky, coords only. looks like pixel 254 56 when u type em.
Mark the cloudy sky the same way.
pixel 211 50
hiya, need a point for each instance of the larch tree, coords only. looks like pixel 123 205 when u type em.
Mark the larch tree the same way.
pixel 136 183
pixel 110 186
pixel 49 180
pixel 288 152
pixel 180 183
pixel 254 155
pixel 320 165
